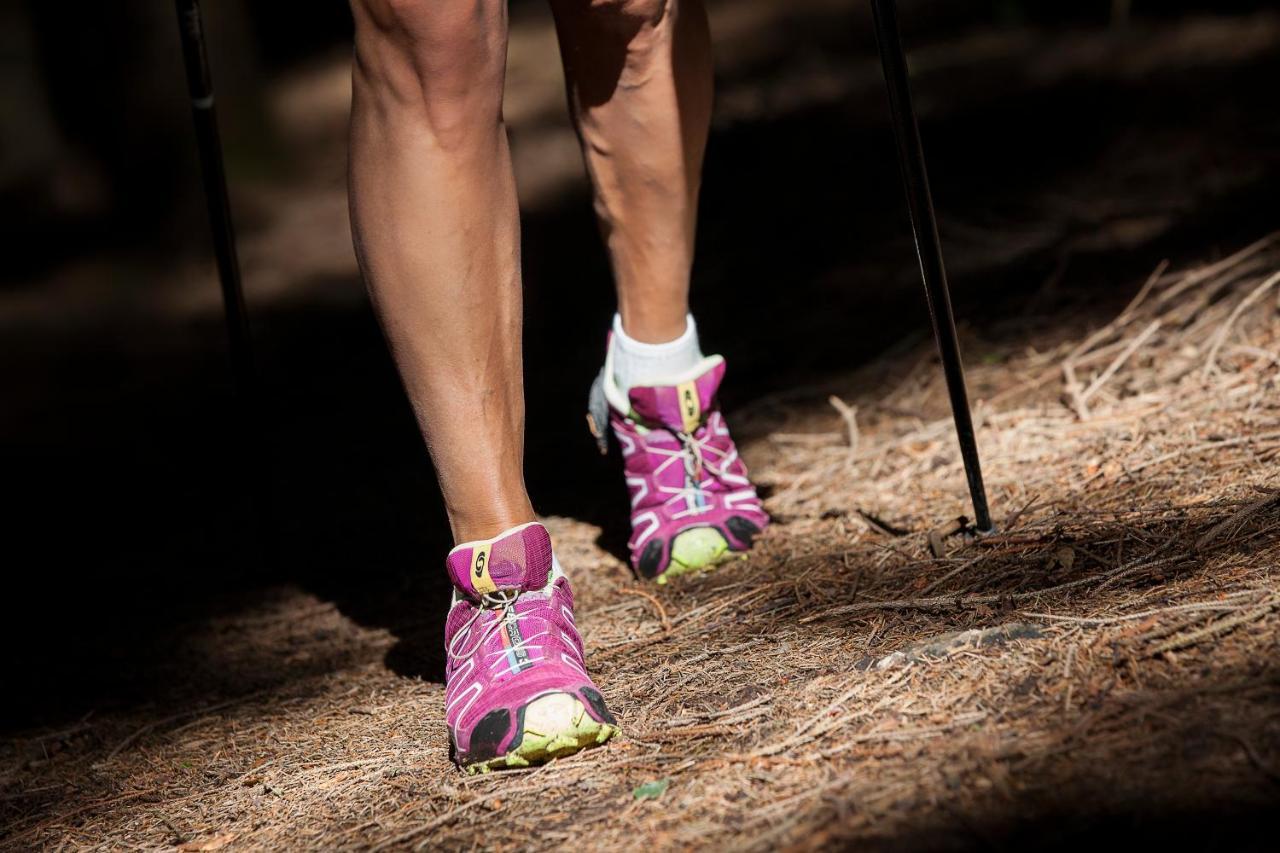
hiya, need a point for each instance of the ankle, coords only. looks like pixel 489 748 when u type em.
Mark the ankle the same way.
pixel 652 327
pixel 475 526
pixel 638 362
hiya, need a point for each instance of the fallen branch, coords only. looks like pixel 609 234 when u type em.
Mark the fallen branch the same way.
pixel 1217 629
pixel 1210 362
pixel 1119 361
pixel 952 602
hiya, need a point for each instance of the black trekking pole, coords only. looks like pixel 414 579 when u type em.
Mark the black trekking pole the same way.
pixel 915 180
pixel 200 86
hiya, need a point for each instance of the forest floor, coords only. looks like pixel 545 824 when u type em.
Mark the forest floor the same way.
pixel 1109 654
pixel 1101 668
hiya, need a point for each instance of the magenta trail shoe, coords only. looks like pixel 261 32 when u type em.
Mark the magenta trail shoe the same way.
pixel 692 505
pixel 516 691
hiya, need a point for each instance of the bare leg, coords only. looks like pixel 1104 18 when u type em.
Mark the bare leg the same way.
pixel 639 76
pixel 433 209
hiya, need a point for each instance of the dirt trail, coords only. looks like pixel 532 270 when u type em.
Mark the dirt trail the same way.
pixel 1118 660
pixel 1102 669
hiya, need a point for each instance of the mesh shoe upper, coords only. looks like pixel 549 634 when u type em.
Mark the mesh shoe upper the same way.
pixel 510 638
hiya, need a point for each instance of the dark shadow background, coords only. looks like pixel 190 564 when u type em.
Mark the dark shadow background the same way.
pixel 1070 149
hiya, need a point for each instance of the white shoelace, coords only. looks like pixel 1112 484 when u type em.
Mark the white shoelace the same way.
pixel 693 453
pixel 502 603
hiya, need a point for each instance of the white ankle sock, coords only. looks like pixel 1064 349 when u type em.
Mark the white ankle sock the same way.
pixel 636 363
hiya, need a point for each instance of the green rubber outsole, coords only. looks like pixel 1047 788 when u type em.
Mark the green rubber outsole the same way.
pixel 698 550
pixel 581 732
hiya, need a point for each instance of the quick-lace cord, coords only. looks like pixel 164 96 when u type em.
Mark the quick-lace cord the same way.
pixel 693 454
pixel 502 600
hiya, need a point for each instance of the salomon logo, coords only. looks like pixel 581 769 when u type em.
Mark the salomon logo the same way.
pixel 480 579
pixel 690 405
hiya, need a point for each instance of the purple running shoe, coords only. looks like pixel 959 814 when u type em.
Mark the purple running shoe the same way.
pixel 692 505
pixel 516 691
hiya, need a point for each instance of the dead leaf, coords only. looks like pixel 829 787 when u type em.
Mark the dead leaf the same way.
pixel 1063 558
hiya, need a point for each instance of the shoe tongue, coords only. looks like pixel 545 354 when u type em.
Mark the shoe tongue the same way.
pixel 517 559
pixel 680 405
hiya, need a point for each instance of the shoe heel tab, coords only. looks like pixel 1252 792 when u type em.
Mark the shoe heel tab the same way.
pixel 518 558
pixel 598 412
